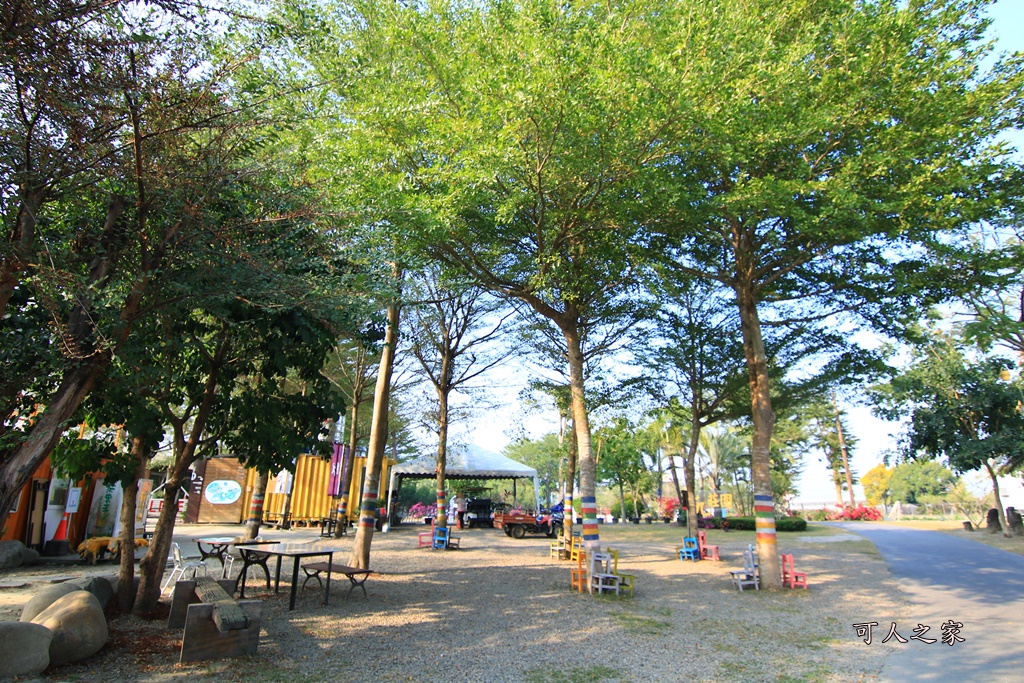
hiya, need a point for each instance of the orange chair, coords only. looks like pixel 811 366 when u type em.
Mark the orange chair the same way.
pixel 790 577
pixel 579 572
pixel 707 552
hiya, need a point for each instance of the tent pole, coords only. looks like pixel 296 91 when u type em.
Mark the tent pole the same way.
pixel 386 526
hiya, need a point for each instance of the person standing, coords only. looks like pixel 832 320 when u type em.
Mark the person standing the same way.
pixel 460 507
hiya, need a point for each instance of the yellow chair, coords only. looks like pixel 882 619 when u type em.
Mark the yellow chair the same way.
pixel 626 581
pixel 575 548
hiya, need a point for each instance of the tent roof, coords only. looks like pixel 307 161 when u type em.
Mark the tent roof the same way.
pixel 474 464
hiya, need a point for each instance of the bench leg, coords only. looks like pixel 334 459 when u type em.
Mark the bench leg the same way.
pixel 203 641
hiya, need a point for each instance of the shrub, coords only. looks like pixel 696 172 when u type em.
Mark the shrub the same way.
pixel 781 523
pixel 850 514
pixel 790 524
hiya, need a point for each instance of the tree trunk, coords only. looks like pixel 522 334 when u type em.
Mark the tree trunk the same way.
pixel 441 520
pixel 679 495
pixel 129 507
pixel 995 492
pixel 259 497
pixel 47 430
pixel 570 484
pixel 588 467
pixel 690 472
pixel 842 451
pixel 341 528
pixel 360 556
pixel 151 567
pixel 760 450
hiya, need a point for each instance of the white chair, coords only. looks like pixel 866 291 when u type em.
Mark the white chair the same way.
pixel 180 567
pixel 748 576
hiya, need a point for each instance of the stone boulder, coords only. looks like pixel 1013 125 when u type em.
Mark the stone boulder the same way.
pixel 29 556
pixel 24 649
pixel 12 554
pixel 78 625
pixel 44 598
pixel 100 586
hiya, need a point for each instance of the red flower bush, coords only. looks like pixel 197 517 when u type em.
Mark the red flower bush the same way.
pixel 861 513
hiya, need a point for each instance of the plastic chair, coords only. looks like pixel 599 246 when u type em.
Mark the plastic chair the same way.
pixel 180 567
pixel 707 552
pixel 601 576
pixel 690 549
pixel 626 581
pixel 791 578
pixel 578 574
pixel 747 576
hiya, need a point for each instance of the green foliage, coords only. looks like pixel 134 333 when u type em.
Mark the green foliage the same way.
pixel 781 523
pixel 959 407
pixel 920 481
pixel 544 455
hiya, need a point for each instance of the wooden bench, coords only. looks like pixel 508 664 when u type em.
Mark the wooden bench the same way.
pixel 216 625
pixel 355 575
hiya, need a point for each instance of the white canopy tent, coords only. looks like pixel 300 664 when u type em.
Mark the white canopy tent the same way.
pixel 474 464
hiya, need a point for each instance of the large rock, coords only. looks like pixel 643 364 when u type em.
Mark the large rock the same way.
pixel 29 556
pixel 12 554
pixel 78 625
pixel 100 586
pixel 44 598
pixel 24 649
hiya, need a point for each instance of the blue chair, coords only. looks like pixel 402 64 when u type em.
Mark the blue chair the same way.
pixel 443 539
pixel 690 549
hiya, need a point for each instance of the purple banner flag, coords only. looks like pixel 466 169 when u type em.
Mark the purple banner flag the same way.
pixel 337 470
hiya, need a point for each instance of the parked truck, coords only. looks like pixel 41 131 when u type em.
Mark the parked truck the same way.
pixel 517 525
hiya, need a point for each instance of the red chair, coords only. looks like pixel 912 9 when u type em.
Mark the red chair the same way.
pixel 707 552
pixel 790 577
pixel 426 538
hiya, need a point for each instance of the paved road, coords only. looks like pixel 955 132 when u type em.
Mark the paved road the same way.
pixel 949 578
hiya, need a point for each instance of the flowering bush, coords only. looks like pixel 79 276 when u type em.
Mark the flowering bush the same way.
pixel 850 513
pixel 420 510
pixel 667 506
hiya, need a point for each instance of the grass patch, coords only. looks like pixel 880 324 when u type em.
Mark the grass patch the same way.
pixel 642 623
pixel 593 674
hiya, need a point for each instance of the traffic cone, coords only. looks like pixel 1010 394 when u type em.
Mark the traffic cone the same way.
pixel 58 545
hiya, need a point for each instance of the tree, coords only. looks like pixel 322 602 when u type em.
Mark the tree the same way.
pixel 827 144
pixel 876 485
pixel 920 481
pixel 621 462
pixel 960 410
pixel 545 455
pixel 506 130
pixel 150 152
pixel 351 370
pixel 453 334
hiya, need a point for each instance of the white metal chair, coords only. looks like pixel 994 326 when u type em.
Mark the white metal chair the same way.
pixel 180 567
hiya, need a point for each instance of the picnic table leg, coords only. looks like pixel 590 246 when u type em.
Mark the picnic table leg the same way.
pixel 277 576
pixel 327 587
pixel 295 580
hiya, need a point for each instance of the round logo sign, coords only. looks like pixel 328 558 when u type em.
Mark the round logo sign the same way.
pixel 223 492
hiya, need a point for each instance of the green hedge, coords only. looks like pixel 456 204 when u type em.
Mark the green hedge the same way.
pixel 781 523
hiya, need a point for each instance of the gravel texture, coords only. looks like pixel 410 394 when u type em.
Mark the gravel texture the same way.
pixel 500 610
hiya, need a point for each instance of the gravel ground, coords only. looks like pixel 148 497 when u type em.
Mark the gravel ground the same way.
pixel 500 610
